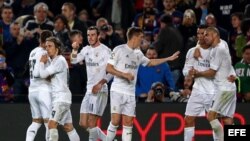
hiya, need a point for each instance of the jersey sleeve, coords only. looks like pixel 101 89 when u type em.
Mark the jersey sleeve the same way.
pixel 144 60
pixel 80 56
pixel 189 62
pixel 217 58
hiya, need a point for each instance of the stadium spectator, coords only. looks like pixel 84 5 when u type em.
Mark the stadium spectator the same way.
pixel 242 69
pixel 148 75
pixel 169 41
pixel 6 19
pixel 6 80
pixel 107 35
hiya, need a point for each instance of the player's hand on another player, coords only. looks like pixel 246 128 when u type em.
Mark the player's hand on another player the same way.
pixel 96 88
pixel 44 58
pixel 192 72
pixel 231 78
pixel 197 53
pixel 174 56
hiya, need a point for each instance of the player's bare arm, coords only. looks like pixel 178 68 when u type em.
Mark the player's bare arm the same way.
pixel 155 62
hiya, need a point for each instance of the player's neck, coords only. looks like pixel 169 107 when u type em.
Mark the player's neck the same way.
pixel 216 42
pixel 130 45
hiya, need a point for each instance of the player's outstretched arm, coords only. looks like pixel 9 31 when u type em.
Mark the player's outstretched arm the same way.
pixel 155 62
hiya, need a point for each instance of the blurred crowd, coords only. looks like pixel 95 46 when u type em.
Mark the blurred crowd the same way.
pixel 168 25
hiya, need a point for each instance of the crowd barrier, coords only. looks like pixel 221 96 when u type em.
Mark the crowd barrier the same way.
pixel 154 122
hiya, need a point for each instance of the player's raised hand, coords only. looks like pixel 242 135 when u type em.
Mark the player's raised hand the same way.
pixel 44 58
pixel 75 45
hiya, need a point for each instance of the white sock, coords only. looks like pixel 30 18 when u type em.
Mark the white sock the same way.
pixel 32 130
pixel 73 135
pixel 101 134
pixel 188 133
pixel 111 132
pixel 127 133
pixel 47 132
pixel 217 129
pixel 93 135
pixel 53 134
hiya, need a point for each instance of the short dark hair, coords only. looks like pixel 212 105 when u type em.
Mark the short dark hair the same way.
pixel 44 35
pixel 133 31
pixel 70 5
pixel 94 28
pixel 202 26
pixel 245 48
pixel 6 7
pixel 239 15
pixel 57 42
pixel 74 32
pixel 64 20
pixel 167 19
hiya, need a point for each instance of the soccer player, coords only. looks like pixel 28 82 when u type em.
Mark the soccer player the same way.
pixel 39 90
pixel 203 88
pixel 96 56
pixel 58 74
pixel 224 102
pixel 123 64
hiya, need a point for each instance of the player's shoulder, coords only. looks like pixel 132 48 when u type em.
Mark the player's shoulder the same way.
pixel 105 48
pixel 120 47
pixel 37 50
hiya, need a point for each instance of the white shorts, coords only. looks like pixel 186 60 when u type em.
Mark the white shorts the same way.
pixel 224 103
pixel 122 104
pixel 40 104
pixel 61 113
pixel 94 103
pixel 198 103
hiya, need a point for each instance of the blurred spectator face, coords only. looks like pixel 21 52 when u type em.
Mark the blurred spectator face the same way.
pixel 100 24
pixel 67 12
pixel 169 4
pixel 188 81
pixel 2 62
pixel 7 15
pixel 41 14
pixel 77 38
pixel 235 21
pixel 189 18
pixel 148 5
pixel 83 16
pixel 209 38
pixel 200 35
pixel 92 37
pixel 14 30
pixel 151 54
pixel 59 25
pixel 246 56
pixel 210 21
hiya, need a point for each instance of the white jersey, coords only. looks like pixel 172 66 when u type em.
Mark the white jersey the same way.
pixel 58 71
pixel 126 60
pixel 221 62
pixel 37 83
pixel 202 84
pixel 96 59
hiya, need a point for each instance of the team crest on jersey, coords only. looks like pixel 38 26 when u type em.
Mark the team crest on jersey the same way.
pixel 127 56
pixel 96 55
